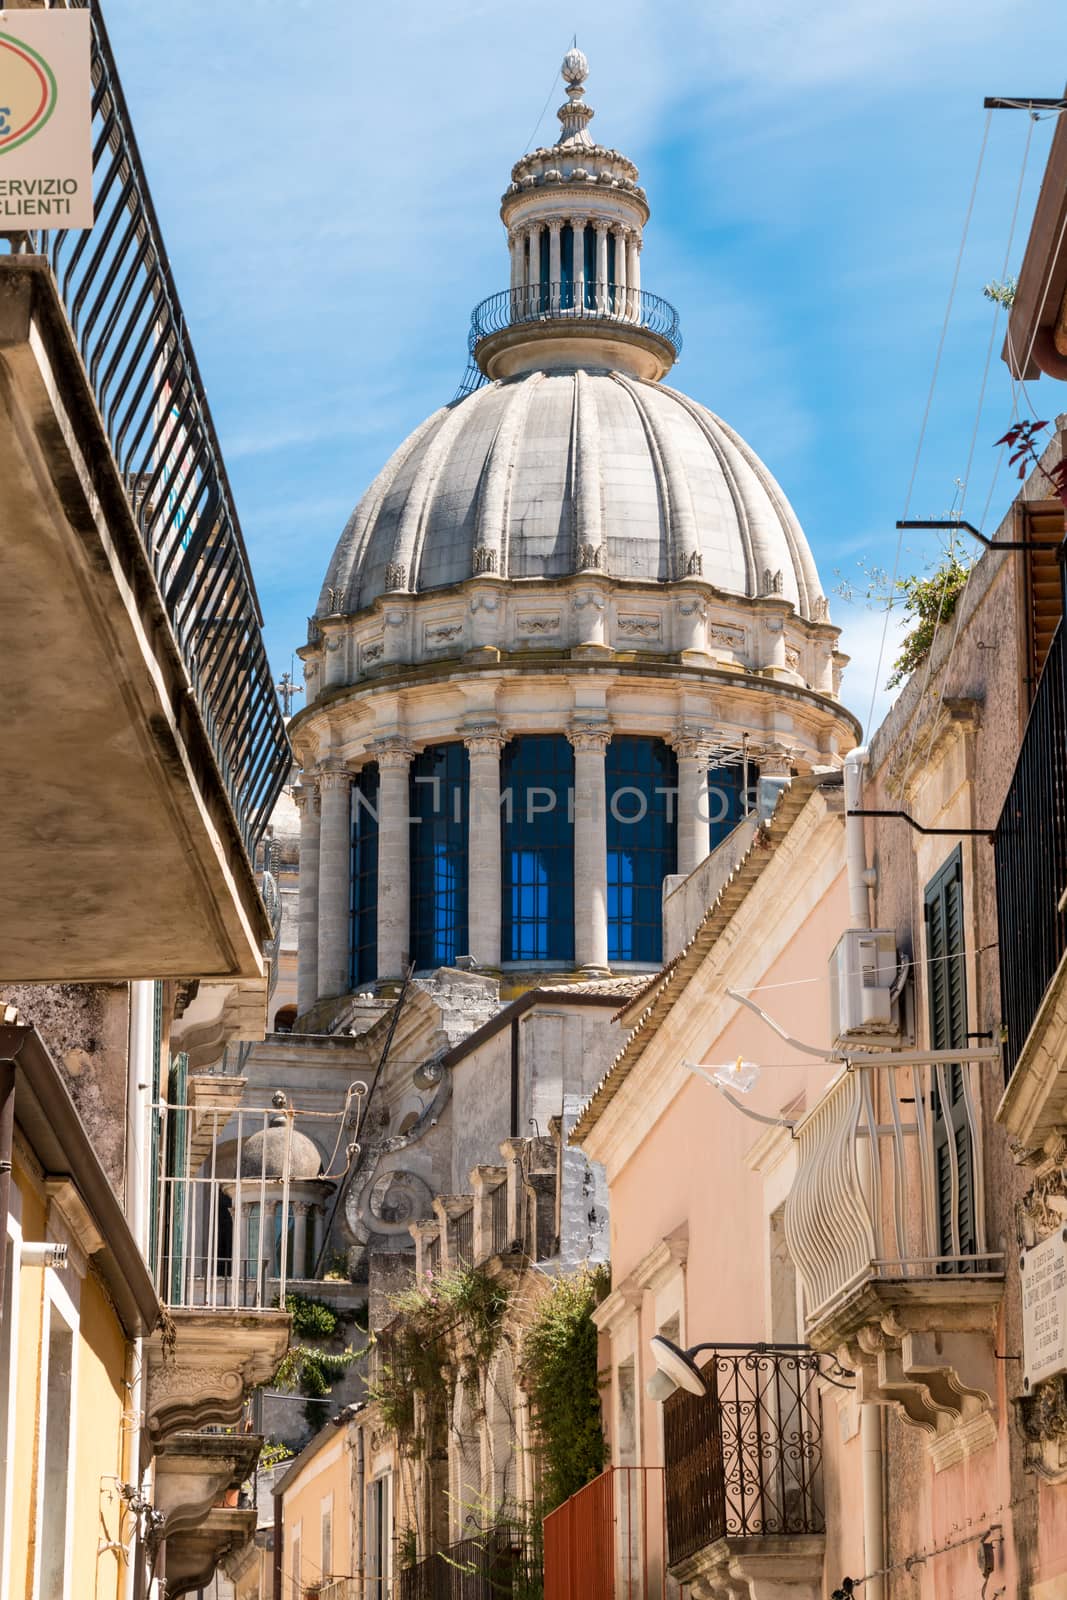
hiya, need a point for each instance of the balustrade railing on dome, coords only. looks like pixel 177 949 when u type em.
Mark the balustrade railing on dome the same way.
pixel 882 1192
pixel 1030 853
pixel 607 1541
pixel 500 1243
pixel 744 1460
pixel 582 302
pixel 492 1565
pixel 127 322
pixel 224 1229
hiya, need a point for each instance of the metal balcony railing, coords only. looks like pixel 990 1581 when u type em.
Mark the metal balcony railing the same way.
pixel 463 1238
pixel 229 1234
pixel 881 1192
pixel 127 321
pixel 570 302
pixel 744 1460
pixel 1030 853
pixel 500 1244
pixel 486 1566
pixel 608 1539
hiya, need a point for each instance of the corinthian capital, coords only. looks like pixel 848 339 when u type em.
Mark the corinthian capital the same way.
pixel 590 739
pixel 333 776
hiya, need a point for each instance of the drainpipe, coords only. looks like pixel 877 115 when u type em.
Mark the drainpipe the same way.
pixel 277 1552
pixel 7 1139
pixel 873 1508
pixel 138 1084
pixel 358 1508
pixel 860 880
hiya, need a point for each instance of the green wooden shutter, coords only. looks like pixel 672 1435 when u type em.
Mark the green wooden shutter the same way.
pixel 946 984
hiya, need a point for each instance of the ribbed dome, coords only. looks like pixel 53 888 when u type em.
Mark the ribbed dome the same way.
pixel 546 474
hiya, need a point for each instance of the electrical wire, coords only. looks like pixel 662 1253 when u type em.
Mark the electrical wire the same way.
pixel 793 983
pixel 926 413
pixel 548 101
pixel 964 486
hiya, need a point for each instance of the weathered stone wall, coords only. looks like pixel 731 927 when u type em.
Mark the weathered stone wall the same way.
pixel 86 1029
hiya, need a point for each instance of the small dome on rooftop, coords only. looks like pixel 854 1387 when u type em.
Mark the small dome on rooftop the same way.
pixel 263 1155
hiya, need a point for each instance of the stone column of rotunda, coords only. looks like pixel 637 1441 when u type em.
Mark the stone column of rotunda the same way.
pixel 567 630
pixel 307 973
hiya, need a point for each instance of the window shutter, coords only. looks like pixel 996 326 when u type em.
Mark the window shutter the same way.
pixel 947 991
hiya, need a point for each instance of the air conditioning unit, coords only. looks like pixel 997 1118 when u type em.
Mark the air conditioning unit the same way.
pixel 864 989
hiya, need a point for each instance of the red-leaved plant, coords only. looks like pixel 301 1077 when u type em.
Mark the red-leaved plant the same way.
pixel 1022 441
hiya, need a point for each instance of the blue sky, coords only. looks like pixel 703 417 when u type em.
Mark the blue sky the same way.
pixel 328 174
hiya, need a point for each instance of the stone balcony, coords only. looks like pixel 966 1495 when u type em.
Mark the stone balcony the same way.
pixel 910 1310
pixel 143 735
pixel 745 1516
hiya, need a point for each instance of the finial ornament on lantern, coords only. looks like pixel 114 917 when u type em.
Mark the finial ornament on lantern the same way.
pixel 575 67
pixel 574 116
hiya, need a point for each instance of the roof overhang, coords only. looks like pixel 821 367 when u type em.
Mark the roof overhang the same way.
pixel 122 855
pixel 1036 341
pixel 49 1122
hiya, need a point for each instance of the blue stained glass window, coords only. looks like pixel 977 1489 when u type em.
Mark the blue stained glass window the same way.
pixel 641 778
pixel 726 799
pixel 537 834
pixel 365 875
pixel 440 794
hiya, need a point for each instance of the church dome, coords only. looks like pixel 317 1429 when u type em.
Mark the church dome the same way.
pixel 552 472
pixel 263 1154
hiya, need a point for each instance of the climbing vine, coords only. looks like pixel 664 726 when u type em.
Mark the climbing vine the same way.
pixel 444 1330
pixel 558 1369
pixel 309 1371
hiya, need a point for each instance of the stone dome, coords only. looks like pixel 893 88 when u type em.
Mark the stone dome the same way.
pixel 553 472
pixel 263 1155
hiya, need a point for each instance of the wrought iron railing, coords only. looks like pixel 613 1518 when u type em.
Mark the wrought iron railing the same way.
pixel 608 1539
pixel 486 1566
pixel 463 1238
pixel 878 1195
pixel 127 321
pixel 1030 852
pixel 570 302
pixel 744 1460
pixel 230 1232
pixel 500 1243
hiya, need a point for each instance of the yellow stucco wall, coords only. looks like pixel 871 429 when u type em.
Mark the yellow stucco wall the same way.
pixel 31 1292
pixel 99 1444
pixel 97 1423
pixel 327 1472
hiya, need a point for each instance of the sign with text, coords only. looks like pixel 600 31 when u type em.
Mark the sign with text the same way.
pixel 46 139
pixel 1044 1270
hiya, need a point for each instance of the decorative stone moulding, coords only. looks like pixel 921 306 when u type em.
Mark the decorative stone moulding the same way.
pixel 203 1367
pixel 1043 1412
pixel 592 608
pixel 770 1568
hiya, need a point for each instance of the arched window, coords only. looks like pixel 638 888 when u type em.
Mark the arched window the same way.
pixel 364 909
pixel 642 838
pixel 589 260
pixel 537 912
pixel 727 802
pixel 440 782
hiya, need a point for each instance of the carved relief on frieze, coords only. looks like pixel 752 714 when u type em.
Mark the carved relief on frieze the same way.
pixel 1041 1213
